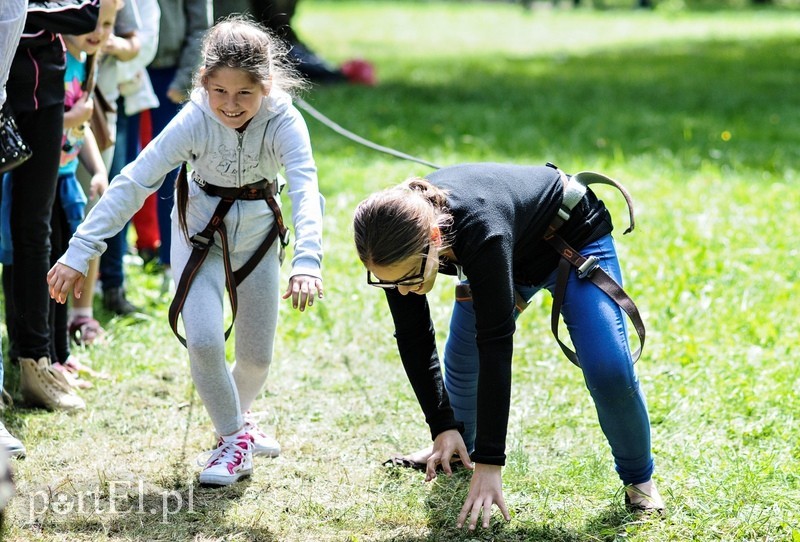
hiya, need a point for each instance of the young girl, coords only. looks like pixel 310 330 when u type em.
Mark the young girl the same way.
pixel 238 129
pixel 486 223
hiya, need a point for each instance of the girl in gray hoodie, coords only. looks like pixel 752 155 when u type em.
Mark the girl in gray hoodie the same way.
pixel 239 129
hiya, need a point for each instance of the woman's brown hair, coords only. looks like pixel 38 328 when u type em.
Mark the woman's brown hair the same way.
pixel 396 223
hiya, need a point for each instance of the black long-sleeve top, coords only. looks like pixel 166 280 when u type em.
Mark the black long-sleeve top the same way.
pixel 36 78
pixel 500 213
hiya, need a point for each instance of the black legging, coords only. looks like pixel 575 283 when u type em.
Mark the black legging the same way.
pixel 32 196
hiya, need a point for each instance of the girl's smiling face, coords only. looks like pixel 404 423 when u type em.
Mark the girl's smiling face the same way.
pixel 93 41
pixel 234 97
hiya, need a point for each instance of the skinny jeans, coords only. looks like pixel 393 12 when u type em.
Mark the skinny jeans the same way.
pixel 598 330
pixel 112 271
pixel 161 78
pixel 33 193
pixel 227 393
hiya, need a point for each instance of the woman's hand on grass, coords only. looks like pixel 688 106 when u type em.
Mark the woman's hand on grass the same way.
pixel 446 444
pixel 485 490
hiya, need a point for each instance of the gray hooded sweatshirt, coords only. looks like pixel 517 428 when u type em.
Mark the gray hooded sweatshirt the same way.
pixel 277 137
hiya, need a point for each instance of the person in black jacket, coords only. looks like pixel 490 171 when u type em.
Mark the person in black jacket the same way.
pixel 36 94
pixel 485 223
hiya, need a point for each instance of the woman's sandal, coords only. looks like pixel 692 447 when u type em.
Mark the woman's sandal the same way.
pixel 646 504
pixel 85 330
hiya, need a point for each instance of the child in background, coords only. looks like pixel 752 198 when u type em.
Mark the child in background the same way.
pixel 78 144
pixel 239 129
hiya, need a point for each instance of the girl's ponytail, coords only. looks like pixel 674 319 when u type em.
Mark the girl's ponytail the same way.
pixel 182 199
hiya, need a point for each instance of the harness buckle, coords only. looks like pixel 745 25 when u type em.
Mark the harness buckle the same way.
pixel 284 236
pixel 201 242
pixel 587 268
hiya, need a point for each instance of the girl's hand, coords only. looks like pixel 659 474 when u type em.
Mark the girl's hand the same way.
pixel 61 279
pixel 81 110
pixel 177 96
pixel 301 289
pixel 98 186
pixel 445 445
pixel 485 490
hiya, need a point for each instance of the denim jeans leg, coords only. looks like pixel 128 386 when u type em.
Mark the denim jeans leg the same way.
pixel 598 330
pixel 461 364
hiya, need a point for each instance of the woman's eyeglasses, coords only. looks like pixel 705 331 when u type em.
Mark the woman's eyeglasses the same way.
pixel 413 280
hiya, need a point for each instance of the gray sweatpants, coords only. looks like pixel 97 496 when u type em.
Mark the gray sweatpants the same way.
pixel 227 393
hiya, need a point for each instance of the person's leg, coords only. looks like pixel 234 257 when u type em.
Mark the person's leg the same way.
pixel 598 331
pixel 461 366
pixel 111 265
pixel 203 319
pixel 462 362
pixel 160 117
pixel 33 194
pixel 256 322
pixel 145 221
pixel 59 237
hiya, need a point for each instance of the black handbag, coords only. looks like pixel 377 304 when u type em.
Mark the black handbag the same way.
pixel 13 150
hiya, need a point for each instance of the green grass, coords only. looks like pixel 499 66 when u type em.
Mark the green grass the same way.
pixel 697 113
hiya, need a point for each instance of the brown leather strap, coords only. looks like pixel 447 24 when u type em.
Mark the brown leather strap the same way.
pixel 589 268
pixel 204 240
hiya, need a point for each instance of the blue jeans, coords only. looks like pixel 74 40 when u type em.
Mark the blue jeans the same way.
pixel 112 269
pixel 597 328
pixel 160 117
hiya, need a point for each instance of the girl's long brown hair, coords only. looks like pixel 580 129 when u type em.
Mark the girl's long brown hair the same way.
pixel 240 43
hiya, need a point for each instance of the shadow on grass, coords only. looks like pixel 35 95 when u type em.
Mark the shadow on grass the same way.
pixel 447 497
pixel 730 103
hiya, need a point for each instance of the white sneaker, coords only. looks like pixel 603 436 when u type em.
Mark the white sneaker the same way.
pixel 263 444
pixel 10 444
pixel 230 462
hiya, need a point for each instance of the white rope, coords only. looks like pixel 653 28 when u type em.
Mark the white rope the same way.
pixel 358 139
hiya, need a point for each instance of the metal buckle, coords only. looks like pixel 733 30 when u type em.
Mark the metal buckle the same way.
pixel 284 237
pixel 200 242
pixel 587 268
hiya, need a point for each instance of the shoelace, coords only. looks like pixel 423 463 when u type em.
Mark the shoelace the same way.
pixel 227 452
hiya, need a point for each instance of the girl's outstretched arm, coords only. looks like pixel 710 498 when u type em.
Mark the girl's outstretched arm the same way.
pixel 301 289
pixel 61 279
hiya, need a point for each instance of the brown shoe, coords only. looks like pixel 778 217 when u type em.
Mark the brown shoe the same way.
pixel 41 385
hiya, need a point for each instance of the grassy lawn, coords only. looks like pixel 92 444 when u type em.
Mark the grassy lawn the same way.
pixel 697 113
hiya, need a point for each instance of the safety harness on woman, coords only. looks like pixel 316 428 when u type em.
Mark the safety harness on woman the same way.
pixel 203 241
pixel 586 268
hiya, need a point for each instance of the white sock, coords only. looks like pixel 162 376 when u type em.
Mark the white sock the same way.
pixel 74 312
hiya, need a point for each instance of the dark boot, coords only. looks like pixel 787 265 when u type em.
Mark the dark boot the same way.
pixel 115 301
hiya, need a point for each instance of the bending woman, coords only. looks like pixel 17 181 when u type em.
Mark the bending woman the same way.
pixel 485 223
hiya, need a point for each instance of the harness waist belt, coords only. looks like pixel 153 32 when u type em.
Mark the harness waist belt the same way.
pixel 254 191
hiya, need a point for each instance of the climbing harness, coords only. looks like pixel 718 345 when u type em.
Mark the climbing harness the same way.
pixel 203 241
pixel 575 187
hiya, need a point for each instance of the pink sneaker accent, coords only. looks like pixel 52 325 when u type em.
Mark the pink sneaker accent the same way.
pixel 263 444
pixel 230 462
